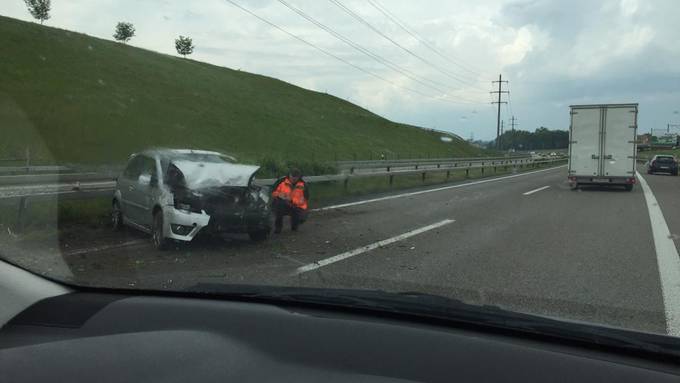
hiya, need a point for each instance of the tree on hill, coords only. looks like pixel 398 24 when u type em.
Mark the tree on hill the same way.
pixel 124 32
pixel 542 138
pixel 184 46
pixel 39 9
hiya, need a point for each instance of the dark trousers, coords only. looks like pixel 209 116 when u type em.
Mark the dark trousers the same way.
pixel 283 208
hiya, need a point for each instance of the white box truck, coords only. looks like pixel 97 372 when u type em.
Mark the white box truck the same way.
pixel 602 145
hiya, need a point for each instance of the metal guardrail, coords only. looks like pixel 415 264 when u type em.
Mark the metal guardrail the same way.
pixel 32 169
pixel 51 178
pixel 351 166
pixel 78 190
pixel 89 188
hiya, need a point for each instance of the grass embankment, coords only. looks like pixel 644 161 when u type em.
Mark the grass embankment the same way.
pixel 76 99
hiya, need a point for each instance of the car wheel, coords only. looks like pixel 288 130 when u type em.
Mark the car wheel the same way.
pixel 629 187
pixel 259 235
pixel 574 186
pixel 157 236
pixel 116 216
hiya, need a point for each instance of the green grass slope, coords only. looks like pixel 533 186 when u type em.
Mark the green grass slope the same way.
pixel 73 98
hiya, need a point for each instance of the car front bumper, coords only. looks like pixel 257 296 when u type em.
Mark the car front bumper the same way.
pixel 183 225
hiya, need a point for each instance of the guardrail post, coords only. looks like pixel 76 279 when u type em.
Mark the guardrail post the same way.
pixel 346 183
pixel 494 169
pixel 23 205
pixel 391 179
pixel 448 174
pixel 416 166
pixel 388 168
pixel 424 176
pixel 482 168
pixel 351 170
pixel 467 173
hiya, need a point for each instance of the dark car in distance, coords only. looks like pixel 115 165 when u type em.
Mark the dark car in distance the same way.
pixel 663 164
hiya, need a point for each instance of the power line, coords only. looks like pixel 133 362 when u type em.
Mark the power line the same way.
pixel 500 92
pixel 381 8
pixel 363 50
pixel 341 59
pixel 513 122
pixel 512 112
pixel 395 43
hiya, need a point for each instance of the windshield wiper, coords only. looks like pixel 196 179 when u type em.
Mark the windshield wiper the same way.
pixel 421 305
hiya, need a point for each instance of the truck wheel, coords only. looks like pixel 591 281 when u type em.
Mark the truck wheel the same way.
pixel 157 236
pixel 574 186
pixel 675 173
pixel 629 187
pixel 259 235
pixel 116 216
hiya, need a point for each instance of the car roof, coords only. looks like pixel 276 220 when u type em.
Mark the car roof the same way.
pixel 171 153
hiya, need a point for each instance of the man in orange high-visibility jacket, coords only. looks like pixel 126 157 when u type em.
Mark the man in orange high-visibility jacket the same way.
pixel 290 197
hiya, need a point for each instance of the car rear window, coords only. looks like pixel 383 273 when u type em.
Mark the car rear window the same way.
pixel 665 159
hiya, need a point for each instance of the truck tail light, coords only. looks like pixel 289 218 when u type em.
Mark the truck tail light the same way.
pixel 653 163
pixel 631 181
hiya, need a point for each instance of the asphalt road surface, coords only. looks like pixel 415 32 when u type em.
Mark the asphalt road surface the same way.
pixel 524 242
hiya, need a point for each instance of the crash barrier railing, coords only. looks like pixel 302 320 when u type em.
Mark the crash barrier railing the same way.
pixel 63 174
pixel 83 189
pixel 389 165
pixel 32 169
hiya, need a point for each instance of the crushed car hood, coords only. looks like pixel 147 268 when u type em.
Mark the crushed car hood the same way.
pixel 201 175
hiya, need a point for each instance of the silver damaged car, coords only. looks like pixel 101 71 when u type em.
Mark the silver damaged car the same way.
pixel 174 194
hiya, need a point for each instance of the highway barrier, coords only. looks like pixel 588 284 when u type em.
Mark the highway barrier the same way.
pixel 95 185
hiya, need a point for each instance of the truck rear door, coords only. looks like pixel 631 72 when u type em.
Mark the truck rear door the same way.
pixel 584 145
pixel 619 136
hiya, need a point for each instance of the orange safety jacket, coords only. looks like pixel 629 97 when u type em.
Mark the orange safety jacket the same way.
pixel 295 193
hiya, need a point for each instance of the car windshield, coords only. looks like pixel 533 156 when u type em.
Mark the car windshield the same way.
pixel 665 159
pixel 512 154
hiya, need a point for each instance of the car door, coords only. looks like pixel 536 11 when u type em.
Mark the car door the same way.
pixel 126 186
pixel 142 191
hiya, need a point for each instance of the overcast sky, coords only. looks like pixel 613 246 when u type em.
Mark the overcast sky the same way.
pixel 554 53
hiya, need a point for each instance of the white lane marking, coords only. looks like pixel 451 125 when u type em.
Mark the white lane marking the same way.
pixel 535 190
pixel 372 246
pixel 667 260
pixel 431 190
pixel 102 248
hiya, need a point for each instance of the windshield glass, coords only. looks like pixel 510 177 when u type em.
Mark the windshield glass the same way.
pixel 506 153
pixel 665 159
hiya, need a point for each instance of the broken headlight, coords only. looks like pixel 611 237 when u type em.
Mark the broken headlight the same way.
pixel 188 201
